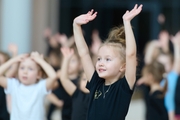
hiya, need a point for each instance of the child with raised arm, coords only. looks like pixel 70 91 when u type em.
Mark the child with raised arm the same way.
pixel 79 94
pixel 28 91
pixel 111 82
pixel 152 75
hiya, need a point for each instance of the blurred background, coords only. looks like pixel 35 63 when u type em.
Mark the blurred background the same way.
pixel 24 23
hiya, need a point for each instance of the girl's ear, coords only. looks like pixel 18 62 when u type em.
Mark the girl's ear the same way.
pixel 122 67
pixel 39 76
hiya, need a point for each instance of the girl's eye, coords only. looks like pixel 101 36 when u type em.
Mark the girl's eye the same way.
pixel 99 59
pixel 108 59
pixel 21 68
pixel 30 69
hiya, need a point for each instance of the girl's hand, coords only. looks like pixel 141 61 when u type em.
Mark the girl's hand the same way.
pixel 36 56
pixel 67 52
pixel 47 32
pixel 85 18
pixel 176 39
pixel 13 49
pixel 20 58
pixel 96 42
pixel 62 39
pixel 129 15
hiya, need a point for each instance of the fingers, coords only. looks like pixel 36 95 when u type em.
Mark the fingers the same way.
pixel 91 15
pixel 136 8
pixel 140 8
pixel 35 55
pixel 20 58
pixel 91 12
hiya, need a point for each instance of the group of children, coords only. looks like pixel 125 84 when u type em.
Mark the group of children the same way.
pixel 88 89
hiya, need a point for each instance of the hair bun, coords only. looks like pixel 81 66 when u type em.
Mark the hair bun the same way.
pixel 117 35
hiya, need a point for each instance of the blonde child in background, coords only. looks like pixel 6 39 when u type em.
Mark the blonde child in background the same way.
pixel 28 90
pixel 74 70
pixel 152 75
pixel 79 94
pixel 172 67
pixel 111 82
pixel 59 97
pixel 157 50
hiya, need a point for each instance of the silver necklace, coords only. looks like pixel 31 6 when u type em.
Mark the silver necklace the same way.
pixel 104 93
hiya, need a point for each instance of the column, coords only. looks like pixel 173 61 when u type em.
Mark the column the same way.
pixel 16 24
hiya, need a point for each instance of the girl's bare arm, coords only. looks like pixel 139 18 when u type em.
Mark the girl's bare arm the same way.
pixel 81 44
pixel 67 84
pixel 5 66
pixel 51 79
pixel 130 45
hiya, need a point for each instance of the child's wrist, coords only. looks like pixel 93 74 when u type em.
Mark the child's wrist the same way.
pixel 67 58
pixel 13 60
pixel 126 21
pixel 75 24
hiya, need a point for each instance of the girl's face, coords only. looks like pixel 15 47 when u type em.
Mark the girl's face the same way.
pixel 28 72
pixel 83 82
pixel 54 60
pixel 109 64
pixel 166 61
pixel 74 65
pixel 147 79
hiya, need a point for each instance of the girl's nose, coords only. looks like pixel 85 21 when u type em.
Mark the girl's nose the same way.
pixel 101 63
pixel 25 71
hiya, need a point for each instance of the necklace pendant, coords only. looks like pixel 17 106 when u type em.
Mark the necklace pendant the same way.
pixel 104 92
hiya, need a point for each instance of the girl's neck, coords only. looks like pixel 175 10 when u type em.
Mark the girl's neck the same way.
pixel 73 76
pixel 154 87
pixel 109 81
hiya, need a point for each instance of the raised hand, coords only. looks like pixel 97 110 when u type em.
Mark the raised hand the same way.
pixel 62 39
pixel 85 18
pixel 176 39
pixel 129 15
pixel 47 32
pixel 36 56
pixel 20 58
pixel 13 49
pixel 67 52
pixel 96 42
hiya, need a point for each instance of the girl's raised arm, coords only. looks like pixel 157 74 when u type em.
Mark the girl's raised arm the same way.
pixel 176 43
pixel 51 74
pixel 6 65
pixel 68 85
pixel 81 44
pixel 130 45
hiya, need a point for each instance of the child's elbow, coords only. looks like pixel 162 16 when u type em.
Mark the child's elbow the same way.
pixel 53 76
pixel 131 55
